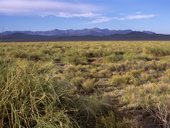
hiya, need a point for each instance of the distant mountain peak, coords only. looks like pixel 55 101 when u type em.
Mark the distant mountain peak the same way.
pixel 81 34
pixel 71 32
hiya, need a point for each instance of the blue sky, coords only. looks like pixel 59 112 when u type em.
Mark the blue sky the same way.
pixel 152 15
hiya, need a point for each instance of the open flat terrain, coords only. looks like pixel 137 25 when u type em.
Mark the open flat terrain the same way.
pixel 85 84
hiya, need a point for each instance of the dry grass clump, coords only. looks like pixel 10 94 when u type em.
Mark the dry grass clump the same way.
pixel 34 56
pixel 89 85
pixel 147 94
pixel 77 82
pixel 157 51
pixel 153 102
pixel 119 80
pixel 85 85
pixel 115 57
pixel 27 98
pixel 75 58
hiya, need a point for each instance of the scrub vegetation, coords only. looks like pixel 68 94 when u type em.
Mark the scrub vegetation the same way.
pixel 119 84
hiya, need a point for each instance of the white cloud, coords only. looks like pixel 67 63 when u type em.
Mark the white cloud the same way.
pixel 140 16
pixel 101 19
pixel 70 15
pixel 47 7
pixel 136 17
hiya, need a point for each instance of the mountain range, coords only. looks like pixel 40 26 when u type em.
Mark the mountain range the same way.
pixel 83 34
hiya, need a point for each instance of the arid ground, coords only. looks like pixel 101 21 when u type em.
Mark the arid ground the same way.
pixel 119 84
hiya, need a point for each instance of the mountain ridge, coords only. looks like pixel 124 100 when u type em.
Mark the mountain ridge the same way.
pixel 81 34
pixel 74 32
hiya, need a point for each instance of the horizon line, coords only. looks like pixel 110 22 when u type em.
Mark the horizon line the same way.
pixel 3 30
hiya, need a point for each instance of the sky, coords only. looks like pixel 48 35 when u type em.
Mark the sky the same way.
pixel 42 15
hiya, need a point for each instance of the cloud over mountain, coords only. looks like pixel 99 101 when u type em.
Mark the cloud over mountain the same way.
pixel 47 7
pixel 136 17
